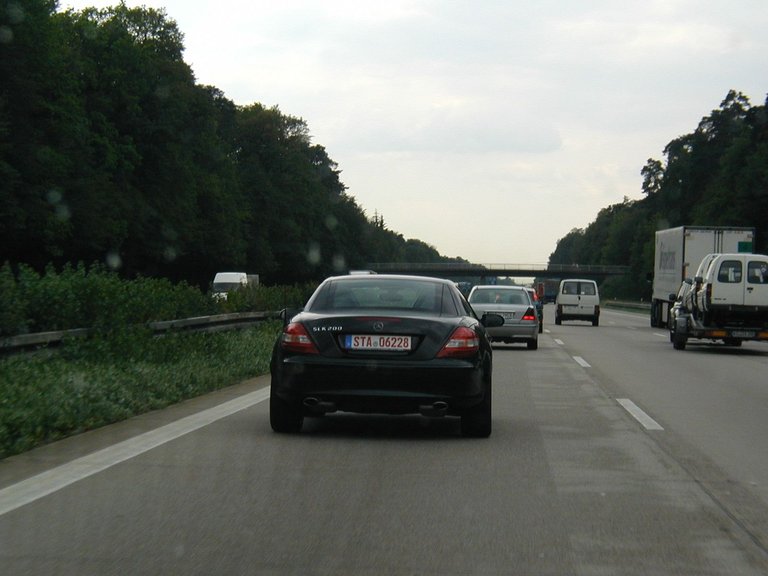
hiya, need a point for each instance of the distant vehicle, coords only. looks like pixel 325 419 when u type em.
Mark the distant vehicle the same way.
pixel 679 251
pixel 521 321
pixel 361 272
pixel 386 344
pixel 727 300
pixel 548 290
pixel 226 282
pixel 539 303
pixel 577 299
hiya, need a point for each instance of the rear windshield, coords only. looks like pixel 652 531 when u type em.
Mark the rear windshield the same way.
pixel 407 295
pixel 580 288
pixel 492 296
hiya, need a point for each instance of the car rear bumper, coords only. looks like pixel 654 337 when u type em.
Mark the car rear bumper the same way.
pixel 514 332
pixel 379 387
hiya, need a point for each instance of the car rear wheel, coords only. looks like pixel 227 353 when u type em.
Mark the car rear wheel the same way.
pixel 533 344
pixel 476 421
pixel 596 321
pixel 284 416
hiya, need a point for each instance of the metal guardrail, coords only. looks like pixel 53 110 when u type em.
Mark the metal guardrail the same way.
pixel 214 323
pixel 627 304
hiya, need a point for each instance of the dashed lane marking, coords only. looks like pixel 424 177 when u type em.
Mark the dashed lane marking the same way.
pixel 639 415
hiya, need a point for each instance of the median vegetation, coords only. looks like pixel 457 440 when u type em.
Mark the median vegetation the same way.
pixel 121 368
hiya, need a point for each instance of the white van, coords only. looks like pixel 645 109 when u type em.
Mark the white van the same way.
pixel 225 282
pixel 577 299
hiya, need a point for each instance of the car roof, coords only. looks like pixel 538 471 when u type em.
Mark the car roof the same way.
pixel 387 278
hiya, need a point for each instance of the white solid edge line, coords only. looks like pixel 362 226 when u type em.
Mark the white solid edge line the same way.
pixel 50 481
pixel 639 415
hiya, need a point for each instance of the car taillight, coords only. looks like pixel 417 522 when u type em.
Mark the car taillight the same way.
pixel 295 338
pixel 463 342
pixel 529 315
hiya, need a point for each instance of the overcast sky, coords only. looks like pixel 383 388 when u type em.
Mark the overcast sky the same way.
pixel 486 128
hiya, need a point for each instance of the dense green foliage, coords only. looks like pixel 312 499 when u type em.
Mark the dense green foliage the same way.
pixel 111 152
pixel 97 298
pixel 93 382
pixel 716 176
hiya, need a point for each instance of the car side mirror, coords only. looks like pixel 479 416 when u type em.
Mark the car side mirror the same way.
pixel 490 320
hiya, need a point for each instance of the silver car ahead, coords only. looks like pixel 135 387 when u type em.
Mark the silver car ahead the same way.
pixel 521 320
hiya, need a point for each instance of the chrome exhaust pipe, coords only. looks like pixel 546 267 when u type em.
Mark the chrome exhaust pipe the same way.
pixel 317 406
pixel 434 410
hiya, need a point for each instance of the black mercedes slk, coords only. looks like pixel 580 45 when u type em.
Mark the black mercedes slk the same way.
pixel 384 344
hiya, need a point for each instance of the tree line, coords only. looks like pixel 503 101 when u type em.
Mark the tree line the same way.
pixel 715 176
pixel 111 152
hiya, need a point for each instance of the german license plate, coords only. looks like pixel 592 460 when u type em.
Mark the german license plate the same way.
pixel 743 334
pixel 377 342
pixel 508 315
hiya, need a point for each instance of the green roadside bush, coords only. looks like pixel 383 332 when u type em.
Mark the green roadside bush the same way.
pixel 263 298
pixel 90 297
pixel 96 297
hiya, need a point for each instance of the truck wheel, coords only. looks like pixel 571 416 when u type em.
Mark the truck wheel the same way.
pixel 679 341
pixel 596 321
pixel 558 320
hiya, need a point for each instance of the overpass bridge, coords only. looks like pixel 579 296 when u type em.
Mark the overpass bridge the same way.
pixel 468 269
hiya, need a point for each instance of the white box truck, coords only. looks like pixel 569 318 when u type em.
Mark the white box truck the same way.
pixel 678 253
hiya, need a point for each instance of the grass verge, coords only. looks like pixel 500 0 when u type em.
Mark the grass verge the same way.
pixel 90 383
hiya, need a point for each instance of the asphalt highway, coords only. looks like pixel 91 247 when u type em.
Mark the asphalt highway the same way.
pixel 611 453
